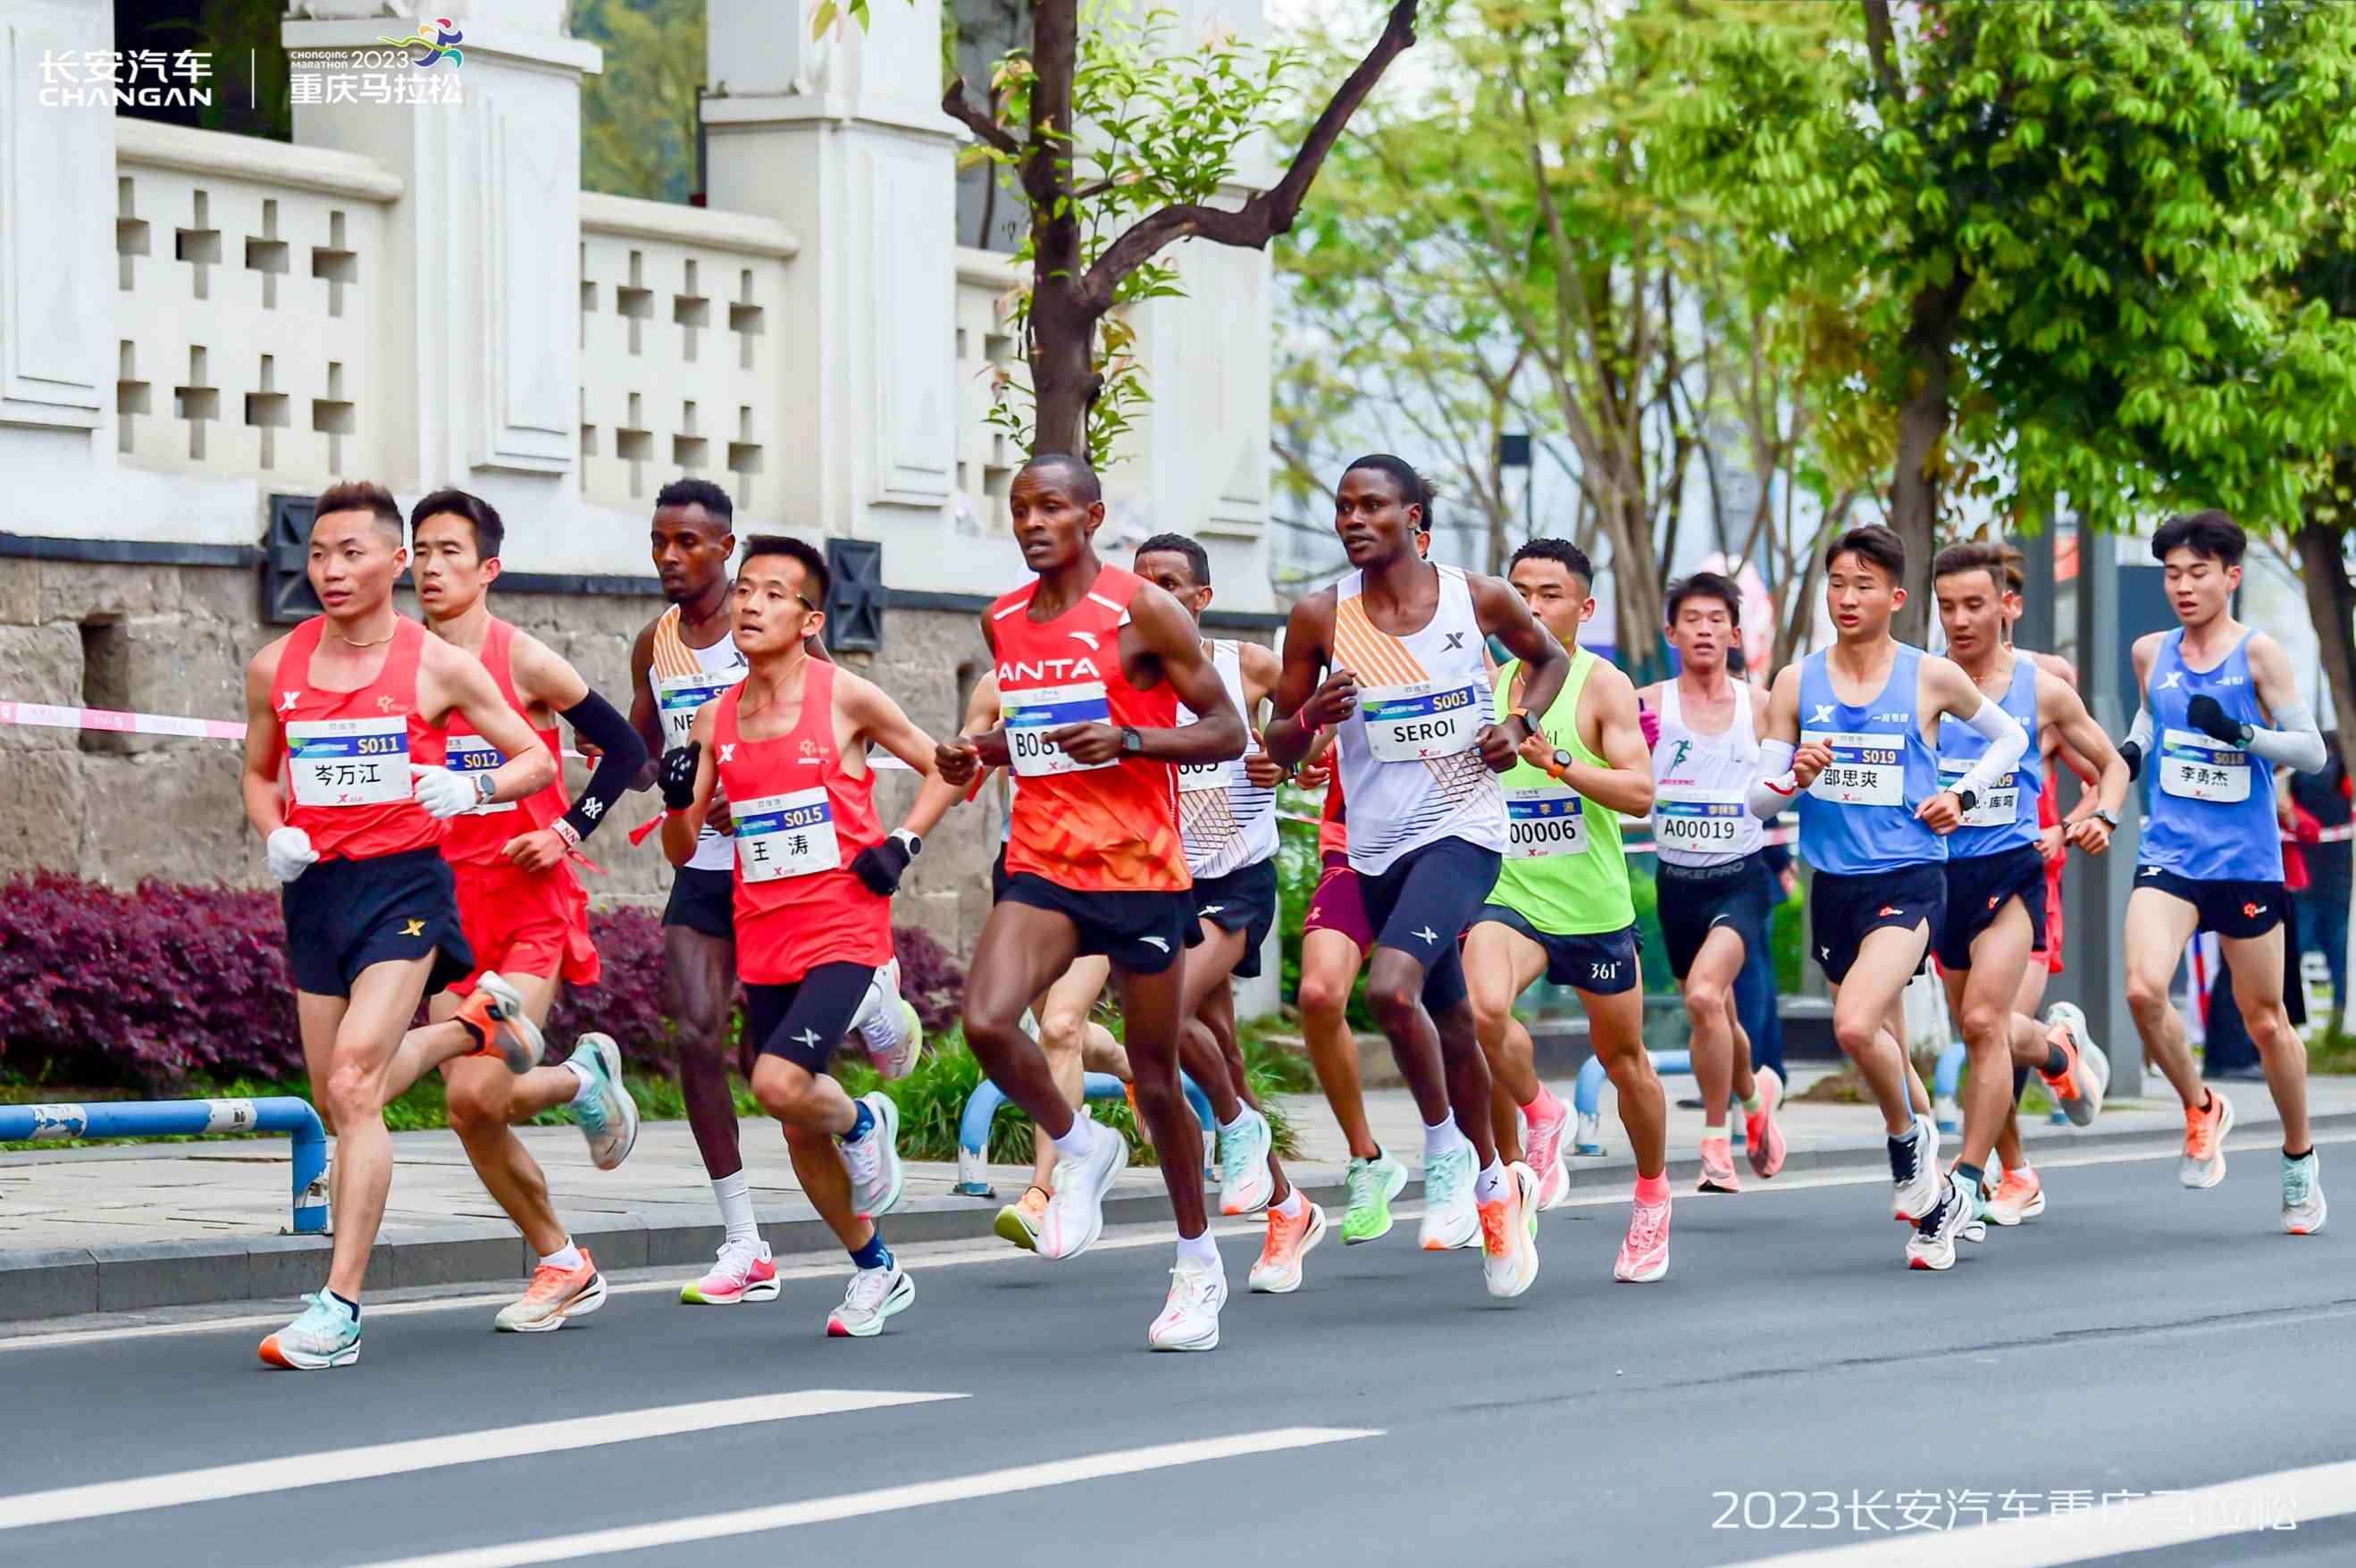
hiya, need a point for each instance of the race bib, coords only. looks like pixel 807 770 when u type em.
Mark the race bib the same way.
pixel 1198 776
pixel 681 697
pixel 473 754
pixel 1542 820
pixel 1691 819
pixel 1999 808
pixel 786 836
pixel 1866 769
pixel 1423 719
pixel 2195 766
pixel 348 762
pixel 1031 715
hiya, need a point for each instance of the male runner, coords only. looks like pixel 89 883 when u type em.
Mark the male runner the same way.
pixel 1716 892
pixel 1848 733
pixel 685 657
pixel 788 745
pixel 2226 710
pixel 338 713
pixel 522 909
pixel 1226 814
pixel 1995 914
pixel 1419 757
pixel 1092 663
pixel 1561 908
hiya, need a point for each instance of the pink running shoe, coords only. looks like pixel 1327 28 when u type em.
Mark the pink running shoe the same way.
pixel 743 1272
pixel 1718 1167
pixel 1762 1138
pixel 1542 1152
pixel 1644 1255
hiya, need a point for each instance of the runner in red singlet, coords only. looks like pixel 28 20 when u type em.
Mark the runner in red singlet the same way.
pixel 1092 662
pixel 339 714
pixel 813 913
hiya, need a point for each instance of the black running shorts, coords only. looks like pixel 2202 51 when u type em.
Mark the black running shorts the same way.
pixel 1697 899
pixel 1978 890
pixel 1422 904
pixel 1143 933
pixel 1843 910
pixel 804 1021
pixel 2237 910
pixel 1242 900
pixel 344 914
pixel 703 901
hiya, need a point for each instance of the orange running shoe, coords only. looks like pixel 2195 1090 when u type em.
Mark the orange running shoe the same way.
pixel 1020 1221
pixel 1762 1140
pixel 2203 1164
pixel 1717 1166
pixel 495 1015
pixel 2018 1197
pixel 1278 1271
pixel 556 1296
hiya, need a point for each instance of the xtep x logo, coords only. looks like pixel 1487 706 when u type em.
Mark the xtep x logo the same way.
pixel 435 49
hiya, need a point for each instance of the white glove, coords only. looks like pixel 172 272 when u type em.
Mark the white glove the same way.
pixel 441 792
pixel 290 853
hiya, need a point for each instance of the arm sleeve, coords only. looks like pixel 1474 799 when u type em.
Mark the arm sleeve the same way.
pixel 1775 787
pixel 2007 741
pixel 2293 742
pixel 2139 731
pixel 602 725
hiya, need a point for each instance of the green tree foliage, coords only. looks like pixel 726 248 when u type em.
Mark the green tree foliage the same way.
pixel 639 116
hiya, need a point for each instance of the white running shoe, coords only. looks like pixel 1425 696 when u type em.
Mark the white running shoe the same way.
pixel 1075 1210
pixel 2086 1071
pixel 607 1116
pixel 874 1295
pixel 1509 1234
pixel 745 1272
pixel 1450 1216
pixel 1244 1183
pixel 886 1024
pixel 1915 1170
pixel 877 1176
pixel 1933 1244
pixel 1277 1272
pixel 1190 1318
pixel 2302 1192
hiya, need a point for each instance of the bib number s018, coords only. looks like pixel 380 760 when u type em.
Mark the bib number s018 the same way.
pixel 1031 715
pixel 786 836
pixel 473 754
pixel 348 762
pixel 1866 769
pixel 1421 720
pixel 2195 766
pixel 1544 819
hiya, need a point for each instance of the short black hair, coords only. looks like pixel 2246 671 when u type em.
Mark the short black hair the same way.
pixel 1569 556
pixel 1706 586
pixel 359 495
pixel 490 533
pixel 1876 546
pixel 2211 533
pixel 1975 556
pixel 1413 489
pixel 1198 560
pixel 1085 487
pixel 697 492
pixel 813 560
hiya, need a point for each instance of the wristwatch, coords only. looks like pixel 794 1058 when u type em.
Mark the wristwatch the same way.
pixel 1131 743
pixel 1969 799
pixel 1558 765
pixel 909 841
pixel 2107 817
pixel 484 788
pixel 1529 725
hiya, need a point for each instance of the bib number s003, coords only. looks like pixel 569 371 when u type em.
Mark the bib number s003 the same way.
pixel 1866 769
pixel 348 762
pixel 786 836
pixel 1421 720
pixel 2195 766
pixel 1544 819
pixel 1031 715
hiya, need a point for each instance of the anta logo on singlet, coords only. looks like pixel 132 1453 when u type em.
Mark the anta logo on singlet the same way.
pixel 1024 673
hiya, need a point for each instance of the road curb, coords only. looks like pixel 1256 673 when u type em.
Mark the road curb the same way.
pixel 58 1283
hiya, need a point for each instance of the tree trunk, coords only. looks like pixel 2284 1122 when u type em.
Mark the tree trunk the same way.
pixel 1923 422
pixel 1063 326
pixel 2331 605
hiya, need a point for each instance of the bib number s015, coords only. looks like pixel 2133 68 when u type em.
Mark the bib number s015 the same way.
pixel 2195 766
pixel 1544 819
pixel 786 836
pixel 1421 720
pixel 1031 715
pixel 348 762
pixel 1866 769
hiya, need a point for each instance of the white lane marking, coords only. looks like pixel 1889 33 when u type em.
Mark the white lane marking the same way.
pixel 142 1492
pixel 950 1254
pixel 882 1500
pixel 2046 1541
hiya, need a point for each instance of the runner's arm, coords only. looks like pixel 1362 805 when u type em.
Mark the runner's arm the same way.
pixel 1164 629
pixel 680 829
pixel 880 721
pixel 1304 693
pixel 2062 712
pixel 1626 785
pixel 1262 671
pixel 936 795
pixel 2293 741
pixel 1778 784
pixel 545 677
pixel 644 716
pixel 2089 772
pixel 265 744
pixel 1956 694
pixel 1501 613
pixel 2138 737
pixel 470 691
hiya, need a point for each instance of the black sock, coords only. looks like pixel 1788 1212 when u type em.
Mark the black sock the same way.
pixel 2055 1061
pixel 1972 1173
pixel 347 1302
pixel 2300 1155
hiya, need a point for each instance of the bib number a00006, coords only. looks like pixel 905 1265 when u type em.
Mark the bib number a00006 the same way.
pixel 1999 808
pixel 1699 824
pixel 1866 769
pixel 473 754
pixel 1422 720
pixel 1031 716
pixel 1544 819
pixel 348 762
pixel 786 836
pixel 2195 766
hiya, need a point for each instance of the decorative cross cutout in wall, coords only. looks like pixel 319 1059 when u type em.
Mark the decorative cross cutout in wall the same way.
pixel 198 402
pixel 336 264
pixel 268 254
pixel 130 236
pixel 331 416
pixel 692 311
pixel 132 395
pixel 199 245
pixel 268 411
pixel 744 320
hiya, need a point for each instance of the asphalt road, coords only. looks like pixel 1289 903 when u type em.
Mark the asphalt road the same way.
pixel 1789 1371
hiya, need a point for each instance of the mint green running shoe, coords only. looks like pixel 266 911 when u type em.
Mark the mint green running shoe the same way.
pixel 1450 1217
pixel 325 1334
pixel 1372 1183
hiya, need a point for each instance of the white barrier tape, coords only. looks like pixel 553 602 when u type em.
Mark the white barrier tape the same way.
pixel 1778 836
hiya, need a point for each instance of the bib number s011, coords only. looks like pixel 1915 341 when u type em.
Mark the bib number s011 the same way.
pixel 348 762
pixel 2195 766
pixel 1866 769
pixel 1544 819
pixel 786 836
pixel 1421 720
pixel 1031 715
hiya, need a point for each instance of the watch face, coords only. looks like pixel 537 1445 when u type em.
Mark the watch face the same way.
pixel 1562 759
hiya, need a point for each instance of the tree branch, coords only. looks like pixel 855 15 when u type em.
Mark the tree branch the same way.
pixel 954 104
pixel 1267 213
pixel 1881 41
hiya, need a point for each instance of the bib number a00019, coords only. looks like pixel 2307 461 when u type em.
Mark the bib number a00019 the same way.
pixel 473 754
pixel 348 762
pixel 1422 720
pixel 1999 808
pixel 1866 769
pixel 2195 766
pixel 786 836
pixel 1699 824
pixel 1544 819
pixel 681 697
pixel 1031 716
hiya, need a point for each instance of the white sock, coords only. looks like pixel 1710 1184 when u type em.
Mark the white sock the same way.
pixel 1294 1205
pixel 1200 1251
pixel 735 1197
pixel 565 1257
pixel 587 1086
pixel 1441 1137
pixel 1490 1184
pixel 1243 1116
pixel 1075 1143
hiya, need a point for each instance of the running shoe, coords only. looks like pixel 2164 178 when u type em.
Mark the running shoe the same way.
pixel 1718 1167
pixel 1762 1139
pixel 555 1297
pixel 496 1016
pixel 1244 1183
pixel 1278 1272
pixel 1974 1226
pixel 2303 1206
pixel 2203 1164
pixel 1019 1221
pixel 1372 1183
pixel 1915 1170
pixel 1075 1210
pixel 1544 1149
pixel 2085 1072
pixel 1933 1244
pixel 877 1176
pixel 1190 1318
pixel 874 1295
pixel 1644 1254
pixel 744 1272
pixel 608 1117
pixel 887 1025
pixel 325 1334
pixel 2018 1197
pixel 1450 1217
pixel 1509 1234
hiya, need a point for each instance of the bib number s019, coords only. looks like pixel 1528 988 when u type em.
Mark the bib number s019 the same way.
pixel 473 754
pixel 348 762
pixel 2195 766
pixel 1031 715
pixel 1866 769
pixel 1421 720
pixel 1544 819
pixel 786 836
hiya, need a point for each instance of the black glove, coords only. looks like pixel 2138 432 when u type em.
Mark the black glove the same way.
pixel 880 864
pixel 2134 754
pixel 2208 715
pixel 678 776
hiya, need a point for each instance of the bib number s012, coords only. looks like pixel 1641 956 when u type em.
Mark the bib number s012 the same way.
pixel 1421 720
pixel 1866 769
pixel 348 762
pixel 1544 819
pixel 1031 715
pixel 786 836
pixel 2195 766
pixel 473 754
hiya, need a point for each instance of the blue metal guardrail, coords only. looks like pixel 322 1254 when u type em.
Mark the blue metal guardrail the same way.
pixel 153 1118
pixel 973 1128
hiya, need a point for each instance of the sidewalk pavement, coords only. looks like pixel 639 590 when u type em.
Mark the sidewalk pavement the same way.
pixel 137 1226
